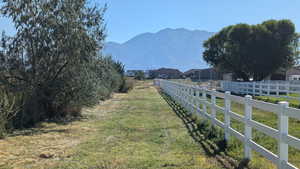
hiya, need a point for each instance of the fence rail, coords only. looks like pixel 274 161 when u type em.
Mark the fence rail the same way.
pixel 264 88
pixel 191 97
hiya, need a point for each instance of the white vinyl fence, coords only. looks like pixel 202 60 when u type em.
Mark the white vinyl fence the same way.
pixel 264 88
pixel 191 97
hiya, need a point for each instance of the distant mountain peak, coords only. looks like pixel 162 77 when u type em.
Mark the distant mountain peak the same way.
pixel 172 48
pixel 112 43
pixel 172 29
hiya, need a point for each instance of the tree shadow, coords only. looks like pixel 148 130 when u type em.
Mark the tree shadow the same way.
pixel 41 128
pixel 36 131
pixel 217 151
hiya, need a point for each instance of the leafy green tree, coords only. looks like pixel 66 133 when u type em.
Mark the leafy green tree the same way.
pixel 253 50
pixel 54 58
pixel 139 75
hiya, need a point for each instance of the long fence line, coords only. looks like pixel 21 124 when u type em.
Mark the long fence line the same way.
pixel 191 97
pixel 264 88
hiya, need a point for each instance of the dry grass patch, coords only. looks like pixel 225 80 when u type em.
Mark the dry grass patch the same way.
pixel 43 146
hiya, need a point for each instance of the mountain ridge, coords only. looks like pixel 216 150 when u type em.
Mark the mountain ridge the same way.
pixel 175 48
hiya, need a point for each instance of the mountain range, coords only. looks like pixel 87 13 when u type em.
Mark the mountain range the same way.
pixel 172 48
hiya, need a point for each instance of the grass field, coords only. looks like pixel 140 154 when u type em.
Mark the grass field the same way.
pixel 141 129
pixel 235 147
pixel 267 118
pixel 136 130
pixel 293 102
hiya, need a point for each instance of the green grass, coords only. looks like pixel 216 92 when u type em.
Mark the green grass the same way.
pixel 235 147
pixel 292 102
pixel 135 130
pixel 268 118
pixel 142 133
pixel 294 94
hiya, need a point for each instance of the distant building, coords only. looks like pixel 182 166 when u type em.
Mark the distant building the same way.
pixel 147 74
pixel 293 73
pixel 131 73
pixel 203 74
pixel 193 73
pixel 166 73
pixel 227 76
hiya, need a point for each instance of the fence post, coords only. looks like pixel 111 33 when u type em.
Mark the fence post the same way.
pixel 277 88
pixel 248 88
pixel 283 127
pixel 253 85
pixel 177 89
pixel 227 116
pixel 188 100
pixel 196 100
pixel 191 99
pixel 260 89
pixel 269 88
pixel 191 93
pixel 248 128
pixel 204 101
pixel 222 85
pixel 287 88
pixel 182 95
pixel 213 107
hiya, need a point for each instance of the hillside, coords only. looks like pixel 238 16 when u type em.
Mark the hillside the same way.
pixel 175 48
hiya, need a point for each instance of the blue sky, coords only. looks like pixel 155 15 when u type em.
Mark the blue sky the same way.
pixel 127 18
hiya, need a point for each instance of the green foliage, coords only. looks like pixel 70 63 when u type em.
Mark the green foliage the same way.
pixel 127 85
pixel 8 109
pixel 139 75
pixel 254 50
pixel 54 60
pixel 271 99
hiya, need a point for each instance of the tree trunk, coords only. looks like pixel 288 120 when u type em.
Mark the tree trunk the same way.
pixel 242 75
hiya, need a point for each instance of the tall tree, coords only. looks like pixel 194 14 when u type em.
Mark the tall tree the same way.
pixel 52 54
pixel 253 50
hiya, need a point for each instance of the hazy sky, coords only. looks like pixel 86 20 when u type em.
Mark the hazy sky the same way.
pixel 127 18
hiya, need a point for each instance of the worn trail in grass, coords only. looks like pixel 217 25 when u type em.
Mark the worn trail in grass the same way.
pixel 136 130
pixel 142 133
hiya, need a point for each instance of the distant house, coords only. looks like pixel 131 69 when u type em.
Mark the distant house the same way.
pixel 166 73
pixel 290 74
pixel 147 74
pixel 131 73
pixel 193 73
pixel 227 76
pixel 293 73
pixel 203 74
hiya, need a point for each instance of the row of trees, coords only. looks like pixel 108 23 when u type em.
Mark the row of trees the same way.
pixel 254 51
pixel 52 67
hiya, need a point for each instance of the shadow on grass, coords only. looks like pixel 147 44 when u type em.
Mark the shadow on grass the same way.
pixel 40 128
pixel 33 131
pixel 217 151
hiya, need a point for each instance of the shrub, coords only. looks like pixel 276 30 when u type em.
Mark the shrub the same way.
pixel 55 61
pixel 139 75
pixel 127 85
pixel 8 109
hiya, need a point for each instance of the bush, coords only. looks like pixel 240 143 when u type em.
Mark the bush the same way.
pixel 8 109
pixel 139 75
pixel 127 85
pixel 55 61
